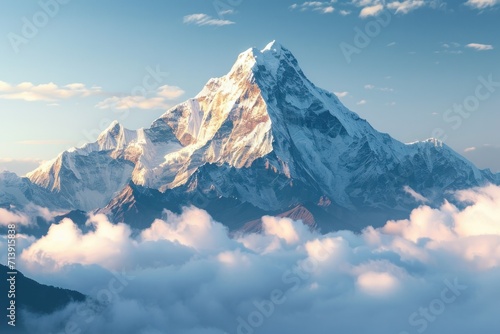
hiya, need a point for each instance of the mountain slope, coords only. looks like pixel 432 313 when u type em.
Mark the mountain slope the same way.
pixel 19 191
pixel 33 297
pixel 263 138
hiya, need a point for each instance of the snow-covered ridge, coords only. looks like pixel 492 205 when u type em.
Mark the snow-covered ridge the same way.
pixel 262 121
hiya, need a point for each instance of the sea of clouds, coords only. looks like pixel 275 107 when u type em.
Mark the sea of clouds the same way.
pixel 436 272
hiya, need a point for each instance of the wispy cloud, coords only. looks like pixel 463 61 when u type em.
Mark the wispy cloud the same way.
pixel 341 94
pixel 371 8
pixel 324 7
pixel 227 12
pixel 480 47
pixel 457 48
pixel 382 89
pixel 369 11
pixel 49 92
pixel 206 20
pixel 450 48
pixel 416 196
pixel 328 9
pixel 361 102
pixel 43 142
pixel 470 149
pixel 404 7
pixel 159 100
pixel 482 4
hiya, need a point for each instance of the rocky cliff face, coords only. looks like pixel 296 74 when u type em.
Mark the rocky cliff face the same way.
pixel 261 139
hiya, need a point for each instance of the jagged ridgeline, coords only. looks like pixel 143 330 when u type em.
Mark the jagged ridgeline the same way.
pixel 260 140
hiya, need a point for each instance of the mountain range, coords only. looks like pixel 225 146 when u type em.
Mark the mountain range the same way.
pixel 261 140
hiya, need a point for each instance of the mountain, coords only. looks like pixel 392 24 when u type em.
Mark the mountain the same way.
pixel 36 297
pixel 33 297
pixel 18 191
pixel 262 139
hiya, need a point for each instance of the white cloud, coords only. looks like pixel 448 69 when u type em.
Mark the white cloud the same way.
pixel 371 8
pixel 189 276
pixel 341 94
pixel 376 283
pixel 391 44
pixel 282 228
pixel 49 92
pixel 205 20
pixel 404 7
pixel 418 197
pixel 158 100
pixel 112 246
pixel 480 47
pixel 66 244
pixel 470 149
pixel 170 92
pixel 371 11
pixel 324 7
pixel 194 228
pixel 482 4
pixel 28 215
pixel 328 9
pixel 361 102
pixel 8 217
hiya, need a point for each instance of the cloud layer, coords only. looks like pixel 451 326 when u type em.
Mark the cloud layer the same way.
pixel 436 271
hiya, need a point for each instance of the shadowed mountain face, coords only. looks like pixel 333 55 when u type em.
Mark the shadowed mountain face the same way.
pixel 38 298
pixel 33 297
pixel 260 140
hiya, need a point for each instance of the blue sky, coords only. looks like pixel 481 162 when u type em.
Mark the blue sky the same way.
pixel 68 68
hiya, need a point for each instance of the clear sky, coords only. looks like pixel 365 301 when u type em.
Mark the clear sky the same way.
pixel 70 67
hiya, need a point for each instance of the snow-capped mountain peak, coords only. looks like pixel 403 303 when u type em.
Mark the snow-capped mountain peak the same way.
pixel 263 136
